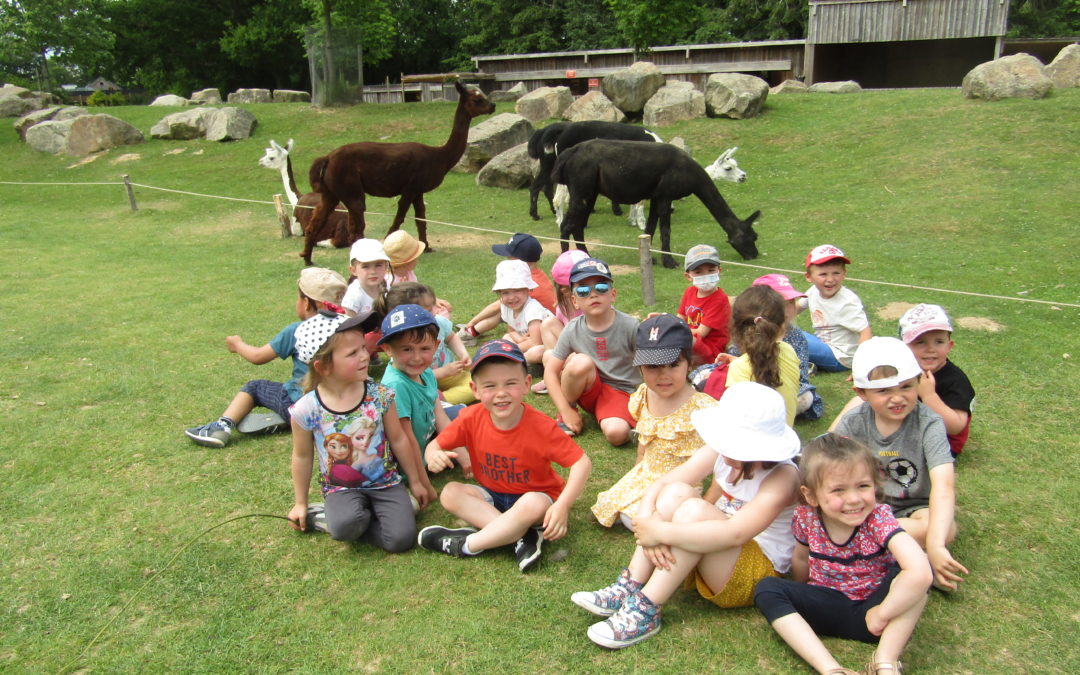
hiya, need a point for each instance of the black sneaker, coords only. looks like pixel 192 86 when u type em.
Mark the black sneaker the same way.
pixel 527 549
pixel 444 540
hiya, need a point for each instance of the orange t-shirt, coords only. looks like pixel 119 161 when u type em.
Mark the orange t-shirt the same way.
pixel 544 291
pixel 514 461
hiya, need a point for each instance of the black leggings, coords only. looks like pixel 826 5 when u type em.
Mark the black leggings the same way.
pixel 828 611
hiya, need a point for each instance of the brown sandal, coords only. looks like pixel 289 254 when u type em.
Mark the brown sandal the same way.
pixel 843 671
pixel 883 667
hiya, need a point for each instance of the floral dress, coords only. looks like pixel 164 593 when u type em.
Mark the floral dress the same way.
pixel 668 442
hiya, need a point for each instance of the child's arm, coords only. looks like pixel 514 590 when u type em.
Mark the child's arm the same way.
pixel 955 420
pixel 908 588
pixel 438 459
pixel 942 512
pixel 701 332
pixel 800 563
pixel 441 421
pixel 256 355
pixel 399 431
pixel 865 334
pixel 302 456
pixel 530 340
pixel 457 347
pixel 558 514
pixel 553 379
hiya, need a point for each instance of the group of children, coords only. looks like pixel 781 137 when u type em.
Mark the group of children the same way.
pixel 843 540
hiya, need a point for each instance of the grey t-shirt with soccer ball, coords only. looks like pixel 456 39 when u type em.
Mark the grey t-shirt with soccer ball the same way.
pixel 906 456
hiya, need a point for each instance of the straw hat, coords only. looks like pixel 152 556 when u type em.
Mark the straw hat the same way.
pixel 402 248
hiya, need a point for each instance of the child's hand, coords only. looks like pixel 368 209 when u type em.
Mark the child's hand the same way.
pixel 946 569
pixel 466 362
pixel 442 307
pixel 233 343
pixel 555 521
pixel 927 385
pixel 298 517
pixel 437 459
pixel 425 494
pixel 723 357
pixel 660 556
pixel 875 623
pixel 645 531
pixel 572 419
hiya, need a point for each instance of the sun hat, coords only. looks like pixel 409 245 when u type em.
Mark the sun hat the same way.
pixel 367 250
pixel 823 254
pixel 660 339
pixel 404 318
pixel 502 349
pixel 313 333
pixel 513 274
pixel 401 247
pixel 321 284
pixel 781 284
pixel 923 319
pixel 589 267
pixel 521 246
pixel 748 425
pixel 699 255
pixel 560 271
pixel 883 351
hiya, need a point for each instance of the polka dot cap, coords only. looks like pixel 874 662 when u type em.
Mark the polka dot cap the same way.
pixel 313 333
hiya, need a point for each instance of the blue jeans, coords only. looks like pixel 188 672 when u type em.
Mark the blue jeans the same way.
pixel 821 355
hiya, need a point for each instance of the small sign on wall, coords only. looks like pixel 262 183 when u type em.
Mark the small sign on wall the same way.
pixel 594 83
pixel 571 74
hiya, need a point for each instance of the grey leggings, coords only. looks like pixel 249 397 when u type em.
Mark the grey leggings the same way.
pixel 383 517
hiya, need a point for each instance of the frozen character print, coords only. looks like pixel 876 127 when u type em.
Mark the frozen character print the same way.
pixel 366 458
pixel 339 470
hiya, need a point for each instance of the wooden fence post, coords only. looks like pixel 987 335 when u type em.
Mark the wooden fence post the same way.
pixel 130 192
pixel 283 217
pixel 648 293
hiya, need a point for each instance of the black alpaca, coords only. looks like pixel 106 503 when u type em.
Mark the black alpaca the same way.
pixel 629 171
pixel 547 143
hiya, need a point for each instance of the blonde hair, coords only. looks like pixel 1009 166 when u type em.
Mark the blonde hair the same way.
pixel 830 450
pixel 324 356
pixel 757 317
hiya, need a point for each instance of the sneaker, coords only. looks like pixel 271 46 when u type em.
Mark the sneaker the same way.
pixel 527 549
pixel 316 518
pixel 637 620
pixel 634 439
pixel 444 539
pixel 563 427
pixel 609 599
pixel 212 435
pixel 539 387
pixel 468 335
pixel 261 423
pixel 415 504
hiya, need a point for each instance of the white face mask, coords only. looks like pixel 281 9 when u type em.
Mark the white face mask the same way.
pixel 707 282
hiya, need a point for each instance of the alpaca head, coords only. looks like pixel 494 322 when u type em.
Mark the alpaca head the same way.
pixel 473 100
pixel 726 168
pixel 742 237
pixel 276 156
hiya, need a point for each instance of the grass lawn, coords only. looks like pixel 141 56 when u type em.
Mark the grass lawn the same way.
pixel 113 325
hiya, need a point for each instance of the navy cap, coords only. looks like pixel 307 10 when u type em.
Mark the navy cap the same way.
pixel 503 349
pixel 403 318
pixel 590 267
pixel 660 339
pixel 521 246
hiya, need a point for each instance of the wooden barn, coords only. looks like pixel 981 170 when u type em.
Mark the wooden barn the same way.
pixel 902 43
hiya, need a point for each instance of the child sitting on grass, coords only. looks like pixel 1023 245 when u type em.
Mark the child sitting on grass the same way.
pixel 909 441
pixel 509 448
pixel 837 314
pixel 319 289
pixel 552 327
pixel 404 252
pixel 869 587
pixel 521 313
pixel 704 306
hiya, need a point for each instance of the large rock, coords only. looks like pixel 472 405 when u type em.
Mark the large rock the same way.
pixel 842 87
pixel 544 103
pixel 509 170
pixel 291 96
pixel 49 136
pixel 735 95
pixel 170 100
pixel 82 135
pixel 14 106
pixel 509 95
pixel 1015 76
pixel 680 143
pixel 206 97
pixel 674 102
pixel 492 137
pixel 58 113
pixel 629 89
pixel 790 87
pixel 593 106
pixel 229 124
pixel 13 90
pixel 250 96
pixel 182 126
pixel 1064 70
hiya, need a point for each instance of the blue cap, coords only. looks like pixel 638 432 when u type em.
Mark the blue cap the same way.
pixel 589 267
pixel 403 318
pixel 503 349
pixel 660 339
pixel 521 246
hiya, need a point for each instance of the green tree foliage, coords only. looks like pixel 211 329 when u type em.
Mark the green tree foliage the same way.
pixel 268 42
pixel 1044 18
pixel 44 39
pixel 651 23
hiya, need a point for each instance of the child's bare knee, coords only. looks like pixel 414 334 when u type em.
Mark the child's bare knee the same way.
pixel 616 430
pixel 693 510
pixel 671 497
pixel 452 494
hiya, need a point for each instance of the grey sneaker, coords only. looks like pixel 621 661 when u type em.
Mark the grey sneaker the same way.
pixel 609 599
pixel 444 540
pixel 527 549
pixel 316 518
pixel 212 435
pixel 261 423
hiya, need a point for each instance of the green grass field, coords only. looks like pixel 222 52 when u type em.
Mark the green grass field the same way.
pixel 113 327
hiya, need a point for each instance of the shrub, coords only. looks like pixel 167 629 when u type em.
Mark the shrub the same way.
pixel 100 98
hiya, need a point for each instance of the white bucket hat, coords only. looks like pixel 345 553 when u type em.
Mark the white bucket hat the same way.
pixel 748 425
pixel 513 274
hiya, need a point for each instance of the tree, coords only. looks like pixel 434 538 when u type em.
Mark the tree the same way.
pixel 268 43
pixel 651 23
pixel 1044 18
pixel 42 35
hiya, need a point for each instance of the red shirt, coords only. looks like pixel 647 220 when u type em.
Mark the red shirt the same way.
pixel 514 461
pixel 713 311
pixel 544 291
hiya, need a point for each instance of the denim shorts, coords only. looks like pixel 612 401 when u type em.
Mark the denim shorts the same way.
pixel 502 501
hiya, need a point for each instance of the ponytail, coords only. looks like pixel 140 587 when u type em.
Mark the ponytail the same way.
pixel 757 319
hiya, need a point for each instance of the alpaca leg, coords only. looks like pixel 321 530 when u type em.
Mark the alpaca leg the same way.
pixel 665 235
pixel 420 216
pixel 616 210
pixel 315 225
pixel 356 207
pixel 537 185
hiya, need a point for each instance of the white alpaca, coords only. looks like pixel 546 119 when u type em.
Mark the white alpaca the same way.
pixel 724 168
pixel 277 157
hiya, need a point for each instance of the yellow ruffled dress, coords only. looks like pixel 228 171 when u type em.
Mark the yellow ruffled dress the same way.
pixel 667 440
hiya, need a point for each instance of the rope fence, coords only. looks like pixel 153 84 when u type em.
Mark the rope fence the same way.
pixel 644 248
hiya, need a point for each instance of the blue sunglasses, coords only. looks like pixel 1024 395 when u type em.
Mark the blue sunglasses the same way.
pixel 585 291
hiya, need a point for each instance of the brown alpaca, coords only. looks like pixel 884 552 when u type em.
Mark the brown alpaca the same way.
pixel 355 170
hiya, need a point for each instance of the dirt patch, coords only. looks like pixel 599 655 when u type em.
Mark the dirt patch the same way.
pixel 84 161
pixel 129 157
pixel 174 151
pixel 894 310
pixel 979 323
pixel 620 270
pixel 464 239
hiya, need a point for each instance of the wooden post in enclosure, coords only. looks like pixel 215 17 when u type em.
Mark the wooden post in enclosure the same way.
pixel 283 217
pixel 648 293
pixel 130 192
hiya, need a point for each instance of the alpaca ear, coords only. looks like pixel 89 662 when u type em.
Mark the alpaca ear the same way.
pixel 288 146
pixel 460 87
pixel 274 145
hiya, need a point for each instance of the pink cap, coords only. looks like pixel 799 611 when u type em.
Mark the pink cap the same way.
pixel 823 254
pixel 781 284
pixel 923 319
pixel 560 271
